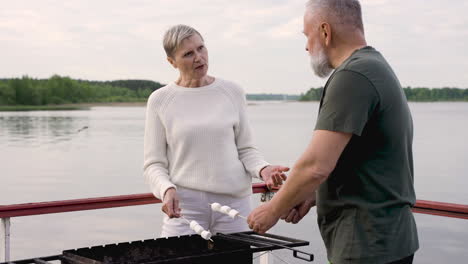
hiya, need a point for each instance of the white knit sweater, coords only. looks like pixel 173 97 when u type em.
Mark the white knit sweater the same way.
pixel 199 138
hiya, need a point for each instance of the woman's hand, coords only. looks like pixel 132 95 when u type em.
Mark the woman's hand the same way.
pixel 299 211
pixel 170 204
pixel 273 175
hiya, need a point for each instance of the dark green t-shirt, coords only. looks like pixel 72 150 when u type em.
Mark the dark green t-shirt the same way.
pixel 364 207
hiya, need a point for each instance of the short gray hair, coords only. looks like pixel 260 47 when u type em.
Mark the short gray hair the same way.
pixel 342 12
pixel 174 37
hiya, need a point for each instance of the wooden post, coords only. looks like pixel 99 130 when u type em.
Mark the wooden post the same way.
pixel 5 239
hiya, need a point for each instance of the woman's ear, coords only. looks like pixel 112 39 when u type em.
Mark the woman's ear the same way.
pixel 172 62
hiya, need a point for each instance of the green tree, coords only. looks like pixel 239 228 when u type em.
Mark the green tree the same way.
pixel 7 94
pixel 313 94
pixel 24 90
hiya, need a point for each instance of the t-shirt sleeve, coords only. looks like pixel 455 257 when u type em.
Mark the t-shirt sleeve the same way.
pixel 349 102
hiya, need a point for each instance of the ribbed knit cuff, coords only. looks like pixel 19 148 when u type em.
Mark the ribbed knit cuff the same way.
pixel 258 168
pixel 163 189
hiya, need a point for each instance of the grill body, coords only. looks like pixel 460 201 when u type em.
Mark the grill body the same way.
pixel 191 249
pixel 175 250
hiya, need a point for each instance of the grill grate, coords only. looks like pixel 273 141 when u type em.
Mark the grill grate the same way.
pixel 191 249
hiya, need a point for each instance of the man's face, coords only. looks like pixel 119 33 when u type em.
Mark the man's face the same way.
pixel 319 60
pixel 310 31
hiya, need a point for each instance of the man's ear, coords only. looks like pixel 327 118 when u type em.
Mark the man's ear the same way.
pixel 325 33
pixel 172 62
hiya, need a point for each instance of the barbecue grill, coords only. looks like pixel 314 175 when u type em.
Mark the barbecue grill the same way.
pixel 225 248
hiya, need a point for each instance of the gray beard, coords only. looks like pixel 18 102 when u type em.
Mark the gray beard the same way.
pixel 320 64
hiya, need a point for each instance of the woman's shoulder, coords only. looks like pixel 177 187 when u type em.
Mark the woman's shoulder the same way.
pixel 160 95
pixel 228 83
pixel 231 87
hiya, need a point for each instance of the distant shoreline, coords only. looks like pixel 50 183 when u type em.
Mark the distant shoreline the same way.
pixel 110 104
pixel 87 106
pixel 65 107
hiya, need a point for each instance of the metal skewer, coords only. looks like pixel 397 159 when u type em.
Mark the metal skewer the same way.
pixel 241 216
pixel 246 238
pixel 186 220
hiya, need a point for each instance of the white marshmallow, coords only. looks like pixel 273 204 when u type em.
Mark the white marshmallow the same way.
pixel 233 213
pixel 199 229
pixel 215 207
pixel 206 235
pixel 193 224
pixel 225 209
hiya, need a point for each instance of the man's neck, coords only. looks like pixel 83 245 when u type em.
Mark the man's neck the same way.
pixel 344 53
pixel 347 44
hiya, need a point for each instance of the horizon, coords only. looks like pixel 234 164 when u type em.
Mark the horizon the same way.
pixel 247 93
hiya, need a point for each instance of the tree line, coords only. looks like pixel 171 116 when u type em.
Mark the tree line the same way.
pixel 417 94
pixel 64 90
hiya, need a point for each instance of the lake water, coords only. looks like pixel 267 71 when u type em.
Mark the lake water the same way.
pixel 47 156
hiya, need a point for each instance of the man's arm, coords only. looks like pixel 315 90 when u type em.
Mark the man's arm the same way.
pixel 299 211
pixel 312 168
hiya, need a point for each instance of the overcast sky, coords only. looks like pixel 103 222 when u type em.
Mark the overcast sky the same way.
pixel 256 43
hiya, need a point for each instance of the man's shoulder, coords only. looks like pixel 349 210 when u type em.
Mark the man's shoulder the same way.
pixel 367 62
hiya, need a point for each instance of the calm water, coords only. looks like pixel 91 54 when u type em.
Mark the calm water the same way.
pixel 48 156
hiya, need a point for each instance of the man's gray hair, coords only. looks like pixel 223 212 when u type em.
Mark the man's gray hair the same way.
pixel 342 12
pixel 174 37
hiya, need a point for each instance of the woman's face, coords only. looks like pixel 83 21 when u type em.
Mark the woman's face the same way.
pixel 191 58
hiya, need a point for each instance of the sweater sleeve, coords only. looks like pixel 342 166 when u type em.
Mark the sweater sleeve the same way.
pixel 155 152
pixel 249 155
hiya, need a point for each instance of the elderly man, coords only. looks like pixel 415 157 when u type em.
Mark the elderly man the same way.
pixel 358 167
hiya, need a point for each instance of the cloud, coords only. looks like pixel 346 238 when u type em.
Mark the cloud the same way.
pixel 258 43
pixel 288 30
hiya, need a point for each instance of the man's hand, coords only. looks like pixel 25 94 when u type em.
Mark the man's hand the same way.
pixel 299 211
pixel 170 204
pixel 273 175
pixel 262 218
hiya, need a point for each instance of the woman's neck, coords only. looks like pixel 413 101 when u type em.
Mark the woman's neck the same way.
pixel 194 83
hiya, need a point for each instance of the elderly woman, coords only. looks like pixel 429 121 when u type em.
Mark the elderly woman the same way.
pixel 198 146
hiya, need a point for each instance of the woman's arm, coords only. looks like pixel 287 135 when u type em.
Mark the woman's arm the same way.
pixel 254 163
pixel 248 154
pixel 155 152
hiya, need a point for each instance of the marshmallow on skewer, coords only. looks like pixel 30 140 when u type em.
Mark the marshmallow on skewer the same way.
pixel 233 213
pixel 200 230
pixel 225 209
pixel 193 224
pixel 215 207
pixel 196 227
pixel 206 235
